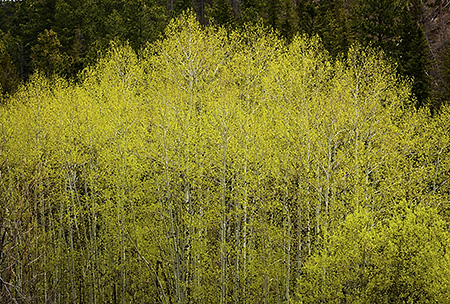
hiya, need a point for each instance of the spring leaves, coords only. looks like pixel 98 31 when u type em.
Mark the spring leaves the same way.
pixel 215 156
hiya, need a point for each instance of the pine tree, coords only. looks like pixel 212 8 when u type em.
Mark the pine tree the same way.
pixel 307 14
pixel 46 54
pixel 442 93
pixel 393 27
pixel 9 78
pixel 376 22
pixel 333 26
pixel 250 11
pixel 413 57
pixel 221 12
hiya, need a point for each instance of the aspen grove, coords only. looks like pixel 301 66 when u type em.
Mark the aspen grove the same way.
pixel 224 166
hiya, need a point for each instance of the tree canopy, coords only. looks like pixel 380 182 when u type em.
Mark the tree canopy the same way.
pixel 224 166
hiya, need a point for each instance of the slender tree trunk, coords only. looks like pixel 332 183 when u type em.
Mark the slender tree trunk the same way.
pixel 441 21
pixel 237 240
pixel 299 247
pixel 288 255
pixel 201 11
pixel 223 225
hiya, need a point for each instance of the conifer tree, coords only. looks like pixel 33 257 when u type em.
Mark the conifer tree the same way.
pixel 413 52
pixel 46 53
pixel 9 78
pixel 250 11
pixel 221 12
pixel 376 23
pixel 443 92
pixel 333 26
pixel 393 26
pixel 309 17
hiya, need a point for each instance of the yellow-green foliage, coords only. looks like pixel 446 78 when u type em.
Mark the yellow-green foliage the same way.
pixel 223 167
pixel 402 259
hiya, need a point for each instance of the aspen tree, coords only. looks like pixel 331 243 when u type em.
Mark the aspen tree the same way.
pixel 371 261
pixel 295 93
pixel 435 148
pixel 227 167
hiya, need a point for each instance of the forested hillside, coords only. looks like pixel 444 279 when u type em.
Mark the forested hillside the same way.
pixel 221 165
pixel 65 36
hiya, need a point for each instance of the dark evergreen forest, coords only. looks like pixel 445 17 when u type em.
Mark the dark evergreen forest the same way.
pixel 224 151
pixel 64 36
